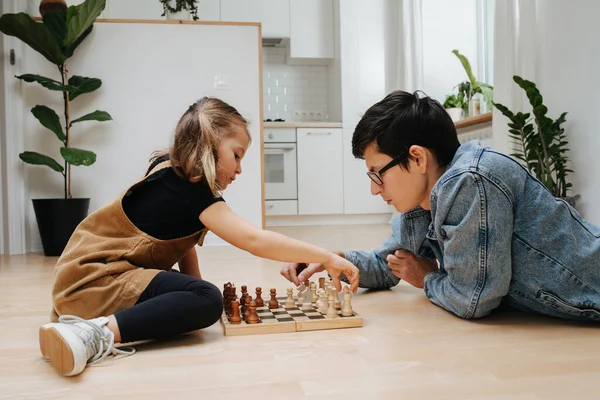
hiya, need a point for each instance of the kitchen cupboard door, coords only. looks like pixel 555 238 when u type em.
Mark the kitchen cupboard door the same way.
pixel 320 171
pixel 273 14
pixel 311 29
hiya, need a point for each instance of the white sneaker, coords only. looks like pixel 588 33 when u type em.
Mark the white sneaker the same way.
pixel 73 343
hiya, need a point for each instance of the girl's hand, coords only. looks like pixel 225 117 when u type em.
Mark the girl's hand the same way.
pixel 338 265
pixel 300 272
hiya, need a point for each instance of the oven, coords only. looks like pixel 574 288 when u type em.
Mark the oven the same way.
pixel 280 168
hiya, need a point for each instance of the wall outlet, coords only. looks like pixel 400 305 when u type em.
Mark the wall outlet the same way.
pixel 309 115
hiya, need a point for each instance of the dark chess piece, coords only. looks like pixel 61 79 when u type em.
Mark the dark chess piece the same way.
pixel 247 308
pixel 273 303
pixel 259 301
pixel 252 315
pixel 235 313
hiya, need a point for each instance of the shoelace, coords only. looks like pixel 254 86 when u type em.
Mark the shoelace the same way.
pixel 97 342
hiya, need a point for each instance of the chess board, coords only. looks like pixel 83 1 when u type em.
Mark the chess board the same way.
pixel 289 319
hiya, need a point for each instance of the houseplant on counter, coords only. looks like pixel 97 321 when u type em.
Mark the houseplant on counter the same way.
pixel 541 143
pixel 454 105
pixel 173 7
pixel 472 87
pixel 61 31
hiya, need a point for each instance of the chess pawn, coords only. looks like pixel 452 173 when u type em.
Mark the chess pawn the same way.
pixel 273 303
pixel 289 302
pixel 322 302
pixel 321 283
pixel 247 308
pixel 252 315
pixel 313 289
pixel 336 298
pixel 347 308
pixel 235 313
pixel 331 311
pixel 259 301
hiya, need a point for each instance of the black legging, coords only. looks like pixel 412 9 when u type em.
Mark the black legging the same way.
pixel 172 304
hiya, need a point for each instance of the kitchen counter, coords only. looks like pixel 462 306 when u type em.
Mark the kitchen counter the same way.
pixel 302 124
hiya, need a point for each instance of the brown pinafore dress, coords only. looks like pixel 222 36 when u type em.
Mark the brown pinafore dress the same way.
pixel 108 261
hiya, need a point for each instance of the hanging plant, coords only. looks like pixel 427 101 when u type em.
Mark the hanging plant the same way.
pixel 180 5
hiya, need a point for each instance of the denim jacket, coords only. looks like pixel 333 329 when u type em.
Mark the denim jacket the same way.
pixel 499 236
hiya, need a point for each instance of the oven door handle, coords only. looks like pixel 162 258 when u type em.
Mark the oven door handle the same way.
pixel 280 148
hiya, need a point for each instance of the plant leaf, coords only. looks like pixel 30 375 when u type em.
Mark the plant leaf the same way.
pixel 80 18
pixel 35 34
pixel 49 119
pixel 79 85
pixel 56 22
pixel 94 116
pixel 31 157
pixel 42 80
pixel 77 156
pixel 467 66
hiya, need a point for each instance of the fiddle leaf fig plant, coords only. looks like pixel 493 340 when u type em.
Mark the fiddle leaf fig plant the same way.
pixel 56 37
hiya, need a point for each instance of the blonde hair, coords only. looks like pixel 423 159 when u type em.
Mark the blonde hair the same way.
pixel 198 133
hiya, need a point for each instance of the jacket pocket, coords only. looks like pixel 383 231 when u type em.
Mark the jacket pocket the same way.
pixel 570 311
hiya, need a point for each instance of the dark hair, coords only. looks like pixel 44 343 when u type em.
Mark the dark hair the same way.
pixel 404 119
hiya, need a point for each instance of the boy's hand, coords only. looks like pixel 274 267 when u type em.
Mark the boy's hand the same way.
pixel 405 265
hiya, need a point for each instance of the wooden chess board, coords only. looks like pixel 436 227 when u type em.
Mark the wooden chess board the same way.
pixel 289 319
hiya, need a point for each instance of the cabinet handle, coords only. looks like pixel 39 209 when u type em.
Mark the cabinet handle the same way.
pixel 279 148
pixel 319 133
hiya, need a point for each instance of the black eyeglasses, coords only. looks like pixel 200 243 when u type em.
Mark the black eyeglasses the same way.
pixel 376 175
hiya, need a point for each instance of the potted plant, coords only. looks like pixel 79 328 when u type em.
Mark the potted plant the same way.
pixel 469 89
pixel 454 104
pixel 56 37
pixel 541 142
pixel 174 7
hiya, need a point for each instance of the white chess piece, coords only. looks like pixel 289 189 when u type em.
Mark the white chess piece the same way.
pixel 322 302
pixel 313 289
pixel 331 311
pixel 304 295
pixel 289 302
pixel 347 308
pixel 337 303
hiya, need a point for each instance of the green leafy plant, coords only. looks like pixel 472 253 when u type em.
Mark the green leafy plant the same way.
pixel 472 86
pixel 454 101
pixel 61 31
pixel 179 5
pixel 540 140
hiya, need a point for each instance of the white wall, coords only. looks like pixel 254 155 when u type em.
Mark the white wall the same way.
pixel 567 68
pixel 147 85
pixel 447 25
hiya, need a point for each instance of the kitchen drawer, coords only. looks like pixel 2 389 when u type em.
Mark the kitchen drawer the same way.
pixel 281 207
pixel 280 135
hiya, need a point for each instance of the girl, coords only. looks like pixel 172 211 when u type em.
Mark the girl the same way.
pixel 113 282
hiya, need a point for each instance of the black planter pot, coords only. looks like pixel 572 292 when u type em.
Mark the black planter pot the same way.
pixel 57 219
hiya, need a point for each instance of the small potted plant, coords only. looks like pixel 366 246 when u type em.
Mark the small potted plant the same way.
pixel 454 104
pixel 56 37
pixel 180 9
pixel 541 142
pixel 471 88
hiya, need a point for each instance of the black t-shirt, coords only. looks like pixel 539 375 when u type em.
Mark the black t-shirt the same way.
pixel 167 206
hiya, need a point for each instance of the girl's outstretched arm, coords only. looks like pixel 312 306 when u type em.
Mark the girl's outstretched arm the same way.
pixel 226 224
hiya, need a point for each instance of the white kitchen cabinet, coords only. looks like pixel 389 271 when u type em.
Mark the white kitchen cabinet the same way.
pixel 320 171
pixel 311 29
pixel 273 14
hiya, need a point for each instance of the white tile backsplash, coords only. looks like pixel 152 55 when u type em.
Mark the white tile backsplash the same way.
pixel 293 92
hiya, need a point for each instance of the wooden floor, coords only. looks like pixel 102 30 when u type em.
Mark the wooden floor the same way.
pixel 407 348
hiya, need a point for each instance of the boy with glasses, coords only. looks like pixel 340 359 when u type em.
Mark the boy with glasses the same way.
pixel 475 228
